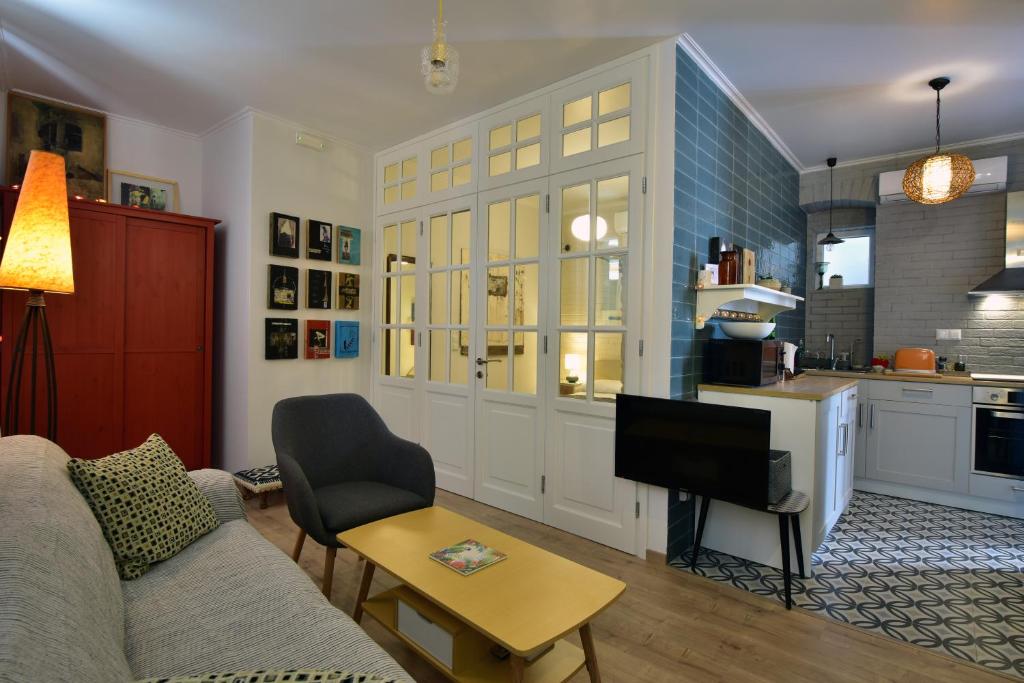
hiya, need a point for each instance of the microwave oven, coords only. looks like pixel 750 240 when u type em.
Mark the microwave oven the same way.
pixel 743 362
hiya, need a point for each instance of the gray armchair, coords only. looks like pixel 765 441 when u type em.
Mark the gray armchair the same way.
pixel 341 468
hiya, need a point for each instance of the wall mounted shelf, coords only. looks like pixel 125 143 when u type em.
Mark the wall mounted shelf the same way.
pixel 769 302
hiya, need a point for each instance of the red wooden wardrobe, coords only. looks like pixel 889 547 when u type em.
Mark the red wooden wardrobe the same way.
pixel 133 346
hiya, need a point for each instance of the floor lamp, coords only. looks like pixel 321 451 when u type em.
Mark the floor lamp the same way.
pixel 37 258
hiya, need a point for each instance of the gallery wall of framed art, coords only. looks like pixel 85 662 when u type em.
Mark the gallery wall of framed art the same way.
pixel 310 286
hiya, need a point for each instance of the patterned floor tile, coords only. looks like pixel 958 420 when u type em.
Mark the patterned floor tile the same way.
pixel 935 576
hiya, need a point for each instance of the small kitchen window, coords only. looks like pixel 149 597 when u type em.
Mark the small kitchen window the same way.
pixel 854 259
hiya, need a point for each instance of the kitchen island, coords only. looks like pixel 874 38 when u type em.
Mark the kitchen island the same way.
pixel 814 418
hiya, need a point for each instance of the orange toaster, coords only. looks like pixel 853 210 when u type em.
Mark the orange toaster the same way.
pixel 915 360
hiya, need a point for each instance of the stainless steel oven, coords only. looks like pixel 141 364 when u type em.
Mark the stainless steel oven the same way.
pixel 999 431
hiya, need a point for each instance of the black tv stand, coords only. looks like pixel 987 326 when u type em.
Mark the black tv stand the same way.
pixel 788 510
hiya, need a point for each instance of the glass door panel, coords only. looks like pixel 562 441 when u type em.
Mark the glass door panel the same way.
pixel 398 301
pixel 449 291
pixel 593 278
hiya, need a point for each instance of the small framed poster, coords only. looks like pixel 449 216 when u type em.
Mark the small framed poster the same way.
pixel 318 339
pixel 284 235
pixel 348 245
pixel 282 287
pixel 346 339
pixel 348 291
pixel 319 242
pixel 318 288
pixel 142 191
pixel 282 339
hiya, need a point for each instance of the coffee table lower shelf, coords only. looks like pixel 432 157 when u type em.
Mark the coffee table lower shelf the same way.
pixel 478 665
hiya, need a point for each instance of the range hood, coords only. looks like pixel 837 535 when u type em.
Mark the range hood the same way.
pixel 1010 280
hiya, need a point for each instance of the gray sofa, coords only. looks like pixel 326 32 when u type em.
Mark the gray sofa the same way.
pixel 230 601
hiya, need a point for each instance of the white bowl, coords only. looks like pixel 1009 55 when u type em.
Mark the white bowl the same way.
pixel 746 330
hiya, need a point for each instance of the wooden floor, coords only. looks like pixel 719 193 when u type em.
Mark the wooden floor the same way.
pixel 669 625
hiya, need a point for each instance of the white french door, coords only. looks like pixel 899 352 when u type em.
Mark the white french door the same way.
pixel 594 230
pixel 450 342
pixel 508 367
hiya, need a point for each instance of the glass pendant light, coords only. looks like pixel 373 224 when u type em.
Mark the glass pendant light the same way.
pixel 440 61
pixel 830 240
pixel 940 177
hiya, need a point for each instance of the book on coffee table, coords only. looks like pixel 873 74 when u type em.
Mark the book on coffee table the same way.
pixel 467 556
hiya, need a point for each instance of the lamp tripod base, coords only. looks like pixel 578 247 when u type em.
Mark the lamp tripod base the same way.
pixel 34 324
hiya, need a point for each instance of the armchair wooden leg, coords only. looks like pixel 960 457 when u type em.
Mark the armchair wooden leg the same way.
pixel 298 545
pixel 329 571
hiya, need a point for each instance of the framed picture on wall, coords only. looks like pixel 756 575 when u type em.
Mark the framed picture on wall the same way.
pixel 282 287
pixel 78 135
pixel 348 291
pixel 142 191
pixel 284 235
pixel 346 339
pixel 282 339
pixel 348 245
pixel 318 339
pixel 318 288
pixel 319 241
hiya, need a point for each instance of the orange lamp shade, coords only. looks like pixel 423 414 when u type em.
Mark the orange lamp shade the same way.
pixel 38 250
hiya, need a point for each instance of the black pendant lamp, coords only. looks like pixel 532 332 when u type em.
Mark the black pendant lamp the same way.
pixel 830 240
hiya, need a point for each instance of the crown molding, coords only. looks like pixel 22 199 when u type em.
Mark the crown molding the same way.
pixel 711 70
pixel 299 127
pixel 882 158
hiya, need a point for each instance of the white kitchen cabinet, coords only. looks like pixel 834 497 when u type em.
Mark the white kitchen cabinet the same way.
pixel 918 444
pixel 860 450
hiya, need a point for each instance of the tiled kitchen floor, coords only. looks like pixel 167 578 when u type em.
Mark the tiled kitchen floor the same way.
pixel 935 576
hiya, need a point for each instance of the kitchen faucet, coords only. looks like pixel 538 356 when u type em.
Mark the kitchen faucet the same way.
pixel 830 339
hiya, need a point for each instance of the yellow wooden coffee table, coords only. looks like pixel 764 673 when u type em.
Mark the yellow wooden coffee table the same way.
pixel 524 603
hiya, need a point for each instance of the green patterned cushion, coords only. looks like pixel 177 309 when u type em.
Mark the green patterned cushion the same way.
pixel 148 506
pixel 290 676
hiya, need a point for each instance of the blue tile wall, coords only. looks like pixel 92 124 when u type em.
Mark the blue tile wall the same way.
pixel 732 183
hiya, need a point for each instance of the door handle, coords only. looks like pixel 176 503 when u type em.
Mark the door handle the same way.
pixel 860 415
pixel 481 361
pixel 918 391
pixel 871 416
pixel 1007 416
pixel 1018 489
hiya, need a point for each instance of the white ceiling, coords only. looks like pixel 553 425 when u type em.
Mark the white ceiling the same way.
pixel 831 77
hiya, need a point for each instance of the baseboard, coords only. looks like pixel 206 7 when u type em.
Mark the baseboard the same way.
pixel 656 557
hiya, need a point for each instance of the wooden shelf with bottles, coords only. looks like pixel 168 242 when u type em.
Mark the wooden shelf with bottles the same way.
pixel 768 302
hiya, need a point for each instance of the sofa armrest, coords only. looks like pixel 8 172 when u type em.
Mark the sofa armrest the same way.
pixel 219 487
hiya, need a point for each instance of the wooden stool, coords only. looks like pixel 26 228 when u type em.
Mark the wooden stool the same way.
pixel 259 481
pixel 788 509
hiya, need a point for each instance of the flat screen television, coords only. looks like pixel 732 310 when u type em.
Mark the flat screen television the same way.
pixel 710 450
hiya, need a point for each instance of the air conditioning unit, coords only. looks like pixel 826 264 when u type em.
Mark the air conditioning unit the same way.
pixel 989 176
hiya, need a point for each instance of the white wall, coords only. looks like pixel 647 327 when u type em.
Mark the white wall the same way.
pixel 658 262
pixel 336 186
pixel 152 150
pixel 227 168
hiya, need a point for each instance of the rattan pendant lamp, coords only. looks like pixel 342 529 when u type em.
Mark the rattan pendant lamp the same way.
pixel 940 177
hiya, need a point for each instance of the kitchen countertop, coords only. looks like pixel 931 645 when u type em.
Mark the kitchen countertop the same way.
pixel 805 387
pixel 963 380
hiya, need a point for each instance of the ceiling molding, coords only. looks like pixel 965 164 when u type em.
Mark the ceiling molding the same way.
pixel 881 158
pixel 696 52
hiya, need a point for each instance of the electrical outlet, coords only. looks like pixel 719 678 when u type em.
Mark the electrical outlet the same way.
pixel 948 335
